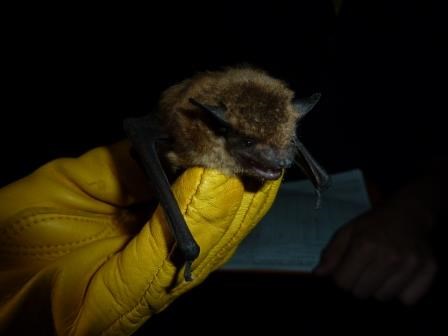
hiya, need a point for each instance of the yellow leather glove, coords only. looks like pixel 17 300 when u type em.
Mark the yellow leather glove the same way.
pixel 76 258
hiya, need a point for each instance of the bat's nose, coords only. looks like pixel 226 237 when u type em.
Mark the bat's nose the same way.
pixel 284 163
pixel 274 158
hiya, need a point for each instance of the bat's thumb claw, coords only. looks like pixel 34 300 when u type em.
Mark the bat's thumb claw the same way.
pixel 187 273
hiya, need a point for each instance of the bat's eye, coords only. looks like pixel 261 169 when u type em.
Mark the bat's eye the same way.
pixel 248 142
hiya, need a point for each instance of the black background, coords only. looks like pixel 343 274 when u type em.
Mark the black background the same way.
pixel 72 73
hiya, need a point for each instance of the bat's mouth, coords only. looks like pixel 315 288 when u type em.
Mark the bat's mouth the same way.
pixel 261 171
pixel 267 173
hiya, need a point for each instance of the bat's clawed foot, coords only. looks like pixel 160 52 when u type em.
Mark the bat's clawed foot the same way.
pixel 187 273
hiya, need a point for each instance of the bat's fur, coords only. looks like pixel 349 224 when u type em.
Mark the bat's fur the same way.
pixel 257 105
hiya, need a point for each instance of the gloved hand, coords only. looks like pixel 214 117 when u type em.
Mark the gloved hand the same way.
pixel 76 258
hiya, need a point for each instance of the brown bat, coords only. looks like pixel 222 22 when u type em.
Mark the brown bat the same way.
pixel 240 121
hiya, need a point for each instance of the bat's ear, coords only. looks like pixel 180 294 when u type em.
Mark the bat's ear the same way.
pixel 304 105
pixel 217 112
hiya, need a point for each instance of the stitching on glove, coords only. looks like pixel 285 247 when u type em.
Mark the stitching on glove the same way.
pixel 31 220
pixel 74 243
pixel 36 254
pixel 196 190
pixel 28 250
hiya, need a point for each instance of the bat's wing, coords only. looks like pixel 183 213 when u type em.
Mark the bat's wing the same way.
pixel 145 133
pixel 317 175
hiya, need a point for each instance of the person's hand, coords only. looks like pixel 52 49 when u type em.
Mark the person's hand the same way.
pixel 76 257
pixel 386 252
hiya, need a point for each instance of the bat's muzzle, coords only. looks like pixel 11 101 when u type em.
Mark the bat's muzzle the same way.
pixel 265 162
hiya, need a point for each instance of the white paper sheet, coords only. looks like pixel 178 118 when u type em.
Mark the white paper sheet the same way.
pixel 293 234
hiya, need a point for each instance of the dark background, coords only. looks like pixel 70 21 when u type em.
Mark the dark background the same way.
pixel 71 74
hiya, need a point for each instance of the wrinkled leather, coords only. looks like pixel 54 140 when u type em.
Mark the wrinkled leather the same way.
pixel 76 258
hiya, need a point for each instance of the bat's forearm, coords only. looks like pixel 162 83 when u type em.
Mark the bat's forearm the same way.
pixel 144 141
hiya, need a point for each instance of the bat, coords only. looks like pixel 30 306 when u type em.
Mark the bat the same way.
pixel 240 121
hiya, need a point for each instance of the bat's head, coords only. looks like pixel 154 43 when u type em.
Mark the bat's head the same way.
pixel 240 121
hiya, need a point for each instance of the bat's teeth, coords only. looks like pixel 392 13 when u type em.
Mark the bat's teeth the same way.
pixel 261 171
pixel 266 173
